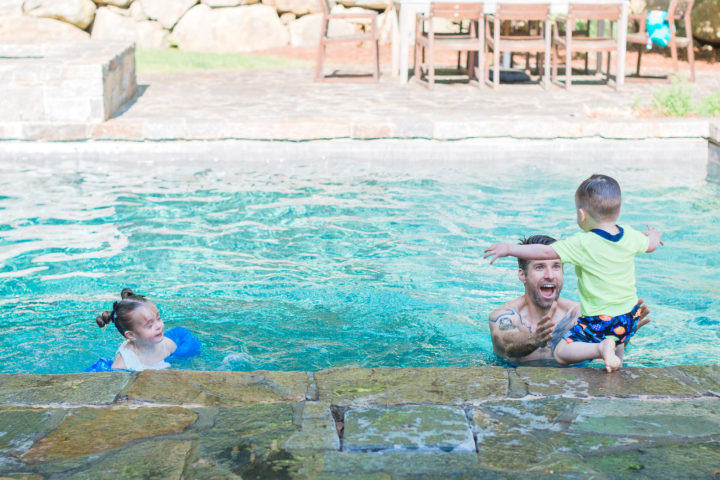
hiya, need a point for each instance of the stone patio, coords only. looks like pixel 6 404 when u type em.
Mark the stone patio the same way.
pixel 485 422
pixel 286 105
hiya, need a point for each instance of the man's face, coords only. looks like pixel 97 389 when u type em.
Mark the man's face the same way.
pixel 543 281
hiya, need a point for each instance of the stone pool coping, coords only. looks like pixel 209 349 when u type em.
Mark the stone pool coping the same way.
pixel 548 422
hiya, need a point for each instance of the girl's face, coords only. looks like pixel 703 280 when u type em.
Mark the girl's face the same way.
pixel 147 326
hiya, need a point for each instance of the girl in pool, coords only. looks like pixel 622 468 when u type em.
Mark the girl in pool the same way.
pixel 138 320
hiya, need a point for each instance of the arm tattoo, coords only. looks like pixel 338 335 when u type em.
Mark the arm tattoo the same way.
pixel 527 325
pixel 567 322
pixel 505 320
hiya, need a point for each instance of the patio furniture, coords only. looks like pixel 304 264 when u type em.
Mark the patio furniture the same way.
pixel 326 39
pixel 582 41
pixel 471 41
pixel 538 44
pixel 677 10
pixel 402 36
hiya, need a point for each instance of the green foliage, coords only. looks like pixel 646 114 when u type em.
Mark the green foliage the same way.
pixel 174 61
pixel 677 101
pixel 710 105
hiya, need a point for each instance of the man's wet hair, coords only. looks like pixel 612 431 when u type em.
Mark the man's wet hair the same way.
pixel 533 240
pixel 599 196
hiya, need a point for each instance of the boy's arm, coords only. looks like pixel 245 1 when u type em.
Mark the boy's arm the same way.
pixel 655 239
pixel 527 252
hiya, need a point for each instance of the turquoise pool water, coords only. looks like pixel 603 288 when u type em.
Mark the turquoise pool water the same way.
pixel 303 267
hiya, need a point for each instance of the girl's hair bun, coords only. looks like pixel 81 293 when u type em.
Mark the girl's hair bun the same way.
pixel 103 319
pixel 129 294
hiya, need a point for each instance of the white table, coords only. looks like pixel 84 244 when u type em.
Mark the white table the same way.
pixel 404 33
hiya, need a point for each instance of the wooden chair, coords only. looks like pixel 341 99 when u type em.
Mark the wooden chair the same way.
pixel 538 44
pixel 326 39
pixel 470 41
pixel 572 41
pixel 677 10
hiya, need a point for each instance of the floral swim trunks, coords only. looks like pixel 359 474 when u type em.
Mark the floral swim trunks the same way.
pixel 598 328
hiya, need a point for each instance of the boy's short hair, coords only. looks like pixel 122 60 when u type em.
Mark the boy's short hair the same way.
pixel 599 196
pixel 533 240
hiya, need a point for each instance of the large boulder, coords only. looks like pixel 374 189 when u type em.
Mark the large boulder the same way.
pixel 305 31
pixel 109 25
pixel 706 21
pixel 298 7
pixel 24 28
pixel 234 29
pixel 228 3
pixel 116 3
pixel 76 12
pixel 11 7
pixel 136 12
pixel 167 12
pixel 371 4
pixel 361 21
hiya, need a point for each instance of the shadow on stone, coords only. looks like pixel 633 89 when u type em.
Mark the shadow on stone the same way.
pixel 127 105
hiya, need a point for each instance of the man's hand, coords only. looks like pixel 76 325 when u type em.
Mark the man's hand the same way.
pixel 655 238
pixel 545 327
pixel 496 251
pixel 643 312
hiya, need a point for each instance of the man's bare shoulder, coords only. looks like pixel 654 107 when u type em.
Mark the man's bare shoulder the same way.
pixel 507 317
pixel 516 304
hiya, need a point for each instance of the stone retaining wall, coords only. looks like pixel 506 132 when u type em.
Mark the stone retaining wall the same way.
pixel 51 84
pixel 484 422
pixel 226 25
pixel 201 25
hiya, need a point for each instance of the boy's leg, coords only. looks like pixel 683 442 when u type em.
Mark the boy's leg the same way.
pixel 576 352
pixel 620 351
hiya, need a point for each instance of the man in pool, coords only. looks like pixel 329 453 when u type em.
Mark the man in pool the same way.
pixel 528 328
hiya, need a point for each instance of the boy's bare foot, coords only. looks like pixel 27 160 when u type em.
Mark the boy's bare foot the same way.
pixel 607 350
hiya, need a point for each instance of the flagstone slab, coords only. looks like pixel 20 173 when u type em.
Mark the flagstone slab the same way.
pixel 505 428
pixel 594 382
pixel 242 441
pixel 217 388
pixel 22 476
pixel 567 432
pixel 317 429
pixel 161 459
pixel 20 428
pixel 389 465
pixel 89 431
pixel 647 418
pixel 393 386
pixel 435 428
pixel 669 462
pixel 84 389
pixel 706 375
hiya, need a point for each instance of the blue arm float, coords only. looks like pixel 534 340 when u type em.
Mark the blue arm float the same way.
pixel 102 365
pixel 187 346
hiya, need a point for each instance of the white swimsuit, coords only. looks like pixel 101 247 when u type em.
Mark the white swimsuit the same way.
pixel 132 362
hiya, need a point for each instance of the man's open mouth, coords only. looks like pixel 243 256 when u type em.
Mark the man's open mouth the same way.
pixel 548 290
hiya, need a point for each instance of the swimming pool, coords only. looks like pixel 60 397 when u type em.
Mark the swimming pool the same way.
pixel 300 265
